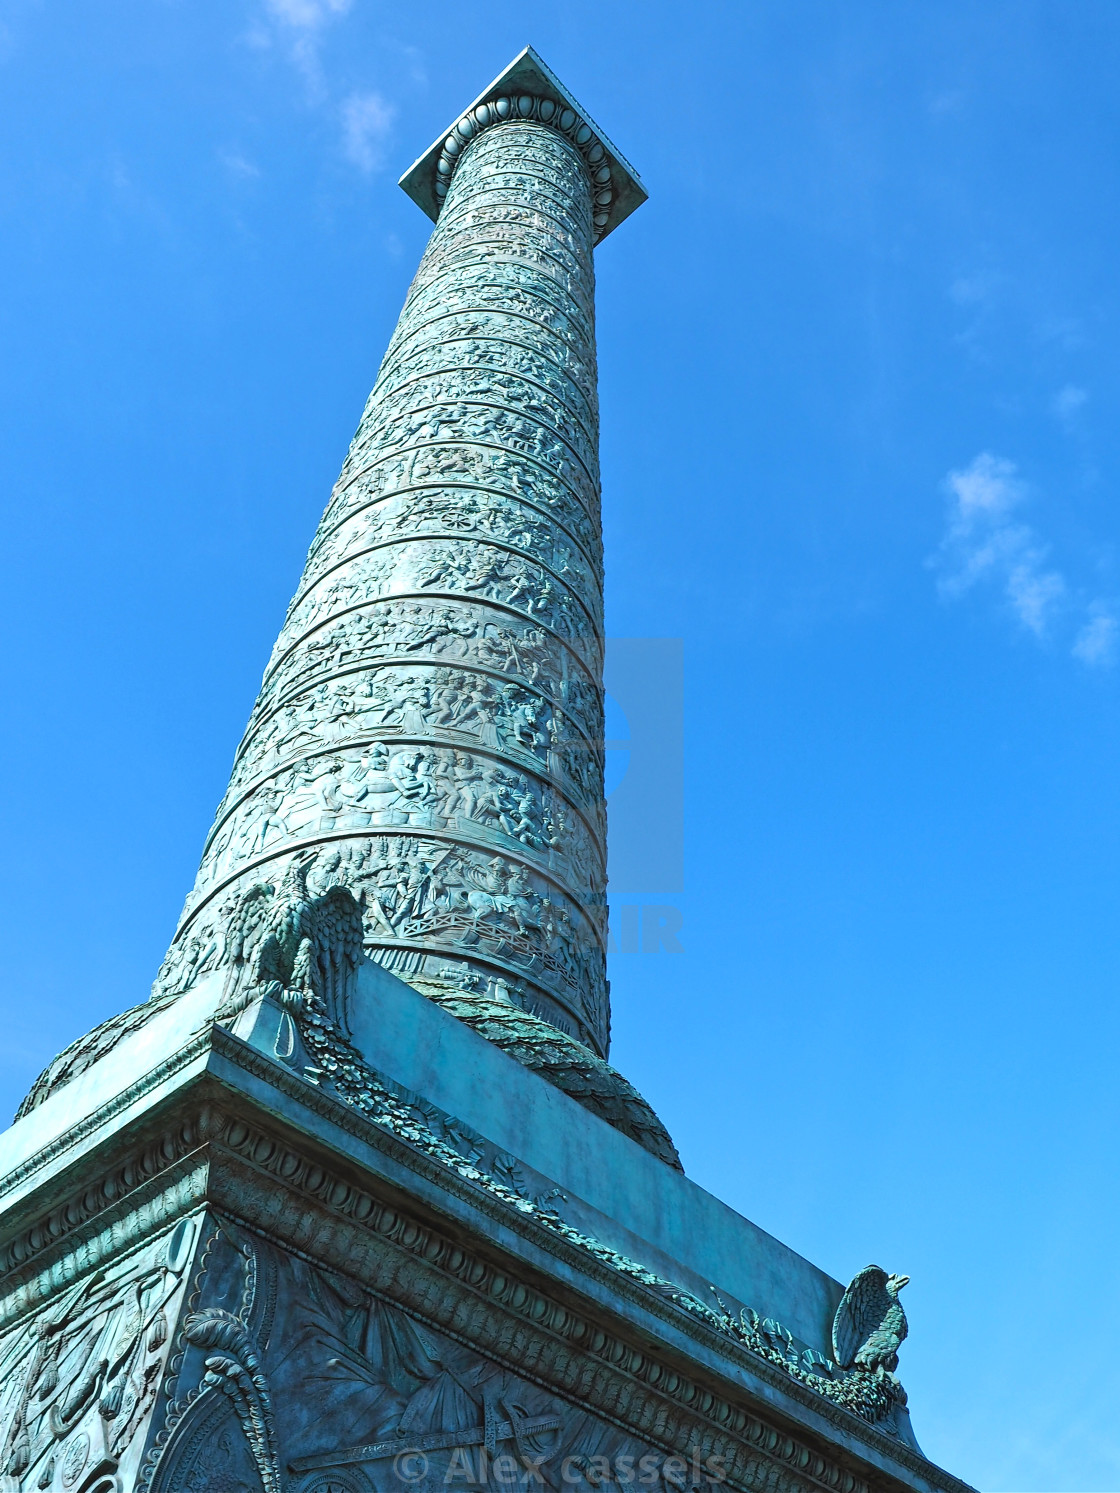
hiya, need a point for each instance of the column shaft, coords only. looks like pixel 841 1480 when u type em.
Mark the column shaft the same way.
pixel 429 728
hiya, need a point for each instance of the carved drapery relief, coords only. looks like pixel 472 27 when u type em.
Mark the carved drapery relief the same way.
pixel 294 1377
pixel 79 1380
pixel 431 715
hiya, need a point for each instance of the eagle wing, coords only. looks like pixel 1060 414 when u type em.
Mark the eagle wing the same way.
pixel 248 921
pixel 335 928
pixel 861 1312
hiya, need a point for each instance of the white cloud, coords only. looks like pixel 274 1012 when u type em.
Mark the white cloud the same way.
pixel 366 122
pixel 1095 644
pixel 1067 401
pixel 306 15
pixel 1034 593
pixel 237 164
pixel 300 27
pixel 300 23
pixel 986 543
pixel 988 487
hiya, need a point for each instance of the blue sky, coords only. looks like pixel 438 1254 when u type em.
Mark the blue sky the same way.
pixel 861 453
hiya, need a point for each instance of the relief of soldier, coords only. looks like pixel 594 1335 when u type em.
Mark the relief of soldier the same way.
pixel 500 715
pixel 553 399
pixel 466 899
pixel 464 422
pixel 371 474
pixel 572 766
pixel 434 788
pixel 488 339
pixel 442 631
pixel 515 393
pixel 445 512
pixel 468 568
pixel 553 303
pixel 461 342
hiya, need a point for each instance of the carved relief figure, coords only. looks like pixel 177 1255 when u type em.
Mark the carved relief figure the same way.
pixel 78 1380
pixel 328 1386
pixel 432 709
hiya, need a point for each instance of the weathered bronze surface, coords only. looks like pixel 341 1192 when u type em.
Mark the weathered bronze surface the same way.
pixel 355 1202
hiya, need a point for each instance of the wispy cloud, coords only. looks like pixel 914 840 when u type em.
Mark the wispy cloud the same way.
pixel 299 25
pixel 987 544
pixel 984 543
pixel 1068 401
pixel 306 14
pixel 236 164
pixel 1096 643
pixel 366 122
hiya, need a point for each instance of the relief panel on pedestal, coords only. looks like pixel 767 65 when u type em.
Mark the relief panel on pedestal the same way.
pixel 296 1378
pixel 80 1379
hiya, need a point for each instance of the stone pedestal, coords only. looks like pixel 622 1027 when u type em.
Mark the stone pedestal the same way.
pixel 429 1268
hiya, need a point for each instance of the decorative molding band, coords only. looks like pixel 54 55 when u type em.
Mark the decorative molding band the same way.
pixel 303 1202
pixel 529 108
pixel 460 1293
pixel 193 1048
pixel 119 1185
pixel 508 1210
pixel 178 1191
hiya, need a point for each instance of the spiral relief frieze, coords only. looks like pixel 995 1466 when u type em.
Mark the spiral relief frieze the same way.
pixel 429 727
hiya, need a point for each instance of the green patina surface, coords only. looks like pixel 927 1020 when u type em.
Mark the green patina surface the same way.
pixel 359 1182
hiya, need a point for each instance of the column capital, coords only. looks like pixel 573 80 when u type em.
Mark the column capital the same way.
pixel 529 89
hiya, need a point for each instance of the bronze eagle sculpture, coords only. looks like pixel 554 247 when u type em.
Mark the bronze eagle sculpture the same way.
pixel 288 943
pixel 870 1324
